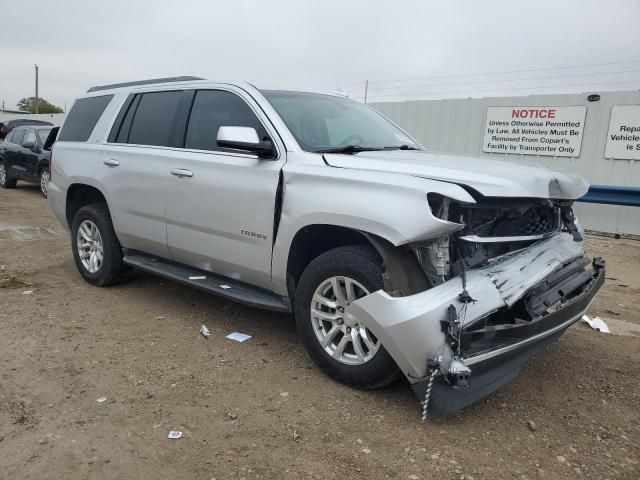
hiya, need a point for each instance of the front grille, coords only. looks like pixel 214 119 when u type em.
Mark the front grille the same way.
pixel 532 221
pixel 508 220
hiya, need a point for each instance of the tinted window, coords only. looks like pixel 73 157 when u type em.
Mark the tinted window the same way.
pixel 213 109
pixel 154 118
pixel 16 138
pixel 8 137
pixel 83 117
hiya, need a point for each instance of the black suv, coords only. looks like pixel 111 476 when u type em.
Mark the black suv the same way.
pixel 25 154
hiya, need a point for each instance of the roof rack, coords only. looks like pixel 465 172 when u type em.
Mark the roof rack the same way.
pixel 185 78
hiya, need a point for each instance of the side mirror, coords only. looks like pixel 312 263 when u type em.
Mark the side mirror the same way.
pixel 31 146
pixel 244 138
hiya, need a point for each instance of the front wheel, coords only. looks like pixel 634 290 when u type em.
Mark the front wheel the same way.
pixel 341 345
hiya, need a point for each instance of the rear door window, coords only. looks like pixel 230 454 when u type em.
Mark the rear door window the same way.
pixel 83 117
pixel 213 109
pixel 153 119
pixel 29 138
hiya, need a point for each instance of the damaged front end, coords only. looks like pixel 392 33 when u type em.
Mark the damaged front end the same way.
pixel 503 286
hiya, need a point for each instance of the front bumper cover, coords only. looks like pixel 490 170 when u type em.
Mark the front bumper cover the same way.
pixel 411 331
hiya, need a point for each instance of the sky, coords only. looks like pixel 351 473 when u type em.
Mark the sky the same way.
pixel 406 49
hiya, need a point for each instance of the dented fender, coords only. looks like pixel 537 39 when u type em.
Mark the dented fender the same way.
pixel 391 206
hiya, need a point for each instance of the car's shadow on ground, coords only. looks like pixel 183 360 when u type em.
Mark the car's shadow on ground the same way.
pixel 29 187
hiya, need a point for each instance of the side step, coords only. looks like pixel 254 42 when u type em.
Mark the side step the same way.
pixel 219 285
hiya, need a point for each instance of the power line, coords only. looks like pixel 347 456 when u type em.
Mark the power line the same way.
pixel 503 80
pixel 466 75
pixel 505 72
pixel 502 89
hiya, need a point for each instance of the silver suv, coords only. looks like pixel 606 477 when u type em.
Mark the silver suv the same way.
pixel 451 271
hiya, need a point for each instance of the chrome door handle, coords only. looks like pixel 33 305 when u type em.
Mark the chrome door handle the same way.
pixel 181 172
pixel 111 162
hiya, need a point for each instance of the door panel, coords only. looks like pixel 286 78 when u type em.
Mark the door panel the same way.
pixel 221 218
pixel 27 159
pixel 135 178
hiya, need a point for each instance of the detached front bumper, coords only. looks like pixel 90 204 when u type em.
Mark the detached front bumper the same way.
pixel 411 328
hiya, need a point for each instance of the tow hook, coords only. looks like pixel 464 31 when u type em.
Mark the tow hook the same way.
pixel 459 373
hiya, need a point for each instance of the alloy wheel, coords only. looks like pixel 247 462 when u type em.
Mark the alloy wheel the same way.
pixel 90 246
pixel 340 334
pixel 44 182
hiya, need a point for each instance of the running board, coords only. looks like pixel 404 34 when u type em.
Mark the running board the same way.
pixel 216 284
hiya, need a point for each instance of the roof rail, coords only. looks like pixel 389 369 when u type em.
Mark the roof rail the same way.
pixel 185 78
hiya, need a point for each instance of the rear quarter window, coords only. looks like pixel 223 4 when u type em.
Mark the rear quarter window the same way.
pixel 83 117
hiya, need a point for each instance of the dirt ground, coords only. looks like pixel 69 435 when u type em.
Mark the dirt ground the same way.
pixel 261 409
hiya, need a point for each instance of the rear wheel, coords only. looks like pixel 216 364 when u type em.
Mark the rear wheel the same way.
pixel 5 180
pixel 44 181
pixel 341 345
pixel 96 250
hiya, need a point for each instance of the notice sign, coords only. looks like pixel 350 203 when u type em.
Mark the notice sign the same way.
pixel 552 131
pixel 623 138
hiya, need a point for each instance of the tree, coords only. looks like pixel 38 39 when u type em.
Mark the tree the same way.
pixel 29 105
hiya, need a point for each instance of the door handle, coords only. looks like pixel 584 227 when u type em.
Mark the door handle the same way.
pixel 181 172
pixel 111 162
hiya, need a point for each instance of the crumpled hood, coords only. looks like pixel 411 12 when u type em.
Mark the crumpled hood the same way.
pixel 492 178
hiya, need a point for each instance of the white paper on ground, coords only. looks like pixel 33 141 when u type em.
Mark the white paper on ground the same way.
pixel 174 435
pixel 596 323
pixel 205 331
pixel 238 337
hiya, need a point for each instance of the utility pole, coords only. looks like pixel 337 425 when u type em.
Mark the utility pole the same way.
pixel 366 88
pixel 37 100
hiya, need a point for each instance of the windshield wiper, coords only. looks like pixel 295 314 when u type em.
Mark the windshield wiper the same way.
pixel 401 147
pixel 349 149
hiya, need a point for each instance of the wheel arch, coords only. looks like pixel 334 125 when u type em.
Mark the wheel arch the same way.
pixel 79 195
pixel 402 272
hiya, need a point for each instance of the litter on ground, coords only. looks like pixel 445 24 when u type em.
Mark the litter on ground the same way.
pixel 238 337
pixel 596 323
pixel 174 435
pixel 27 292
pixel 205 331
pixel 103 400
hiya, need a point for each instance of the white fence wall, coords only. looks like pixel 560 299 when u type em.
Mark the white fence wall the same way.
pixel 458 125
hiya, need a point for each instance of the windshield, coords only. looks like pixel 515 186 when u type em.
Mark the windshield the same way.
pixel 324 123
pixel 43 134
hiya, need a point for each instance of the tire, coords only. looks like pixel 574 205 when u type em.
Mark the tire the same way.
pixel 361 266
pixel 5 180
pixel 110 268
pixel 44 181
